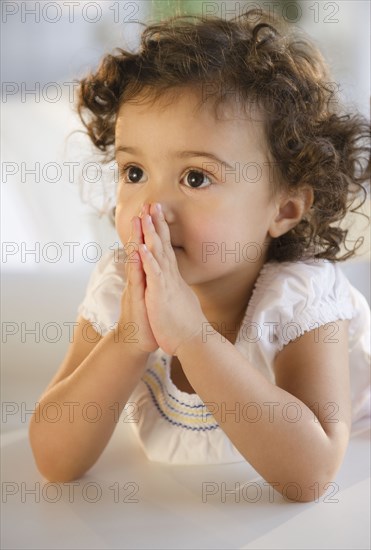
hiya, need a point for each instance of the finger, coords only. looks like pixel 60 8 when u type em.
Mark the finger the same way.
pixel 152 239
pixel 138 239
pixel 157 236
pixel 161 227
pixel 137 279
pixel 151 267
pixel 144 209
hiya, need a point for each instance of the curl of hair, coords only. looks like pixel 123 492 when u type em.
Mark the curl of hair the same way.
pixel 311 140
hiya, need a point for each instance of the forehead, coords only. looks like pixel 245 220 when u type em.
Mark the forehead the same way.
pixel 192 112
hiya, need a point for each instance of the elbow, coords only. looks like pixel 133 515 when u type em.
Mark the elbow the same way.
pixel 318 478
pixel 57 472
pixel 309 489
pixel 314 489
pixel 57 475
pixel 312 486
pixel 306 487
pixel 51 462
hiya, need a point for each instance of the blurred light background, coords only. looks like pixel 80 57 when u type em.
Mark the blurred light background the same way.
pixel 45 47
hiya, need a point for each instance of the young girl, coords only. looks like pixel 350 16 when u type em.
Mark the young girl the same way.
pixel 225 322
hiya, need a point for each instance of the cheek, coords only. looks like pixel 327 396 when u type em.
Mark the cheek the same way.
pixel 216 228
pixel 202 229
pixel 205 235
pixel 219 238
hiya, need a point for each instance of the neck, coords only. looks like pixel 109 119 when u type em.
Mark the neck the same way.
pixel 224 301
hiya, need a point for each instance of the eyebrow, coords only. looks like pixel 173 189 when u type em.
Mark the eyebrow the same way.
pixel 179 154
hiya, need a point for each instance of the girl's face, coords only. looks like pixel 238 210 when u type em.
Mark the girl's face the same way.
pixel 212 178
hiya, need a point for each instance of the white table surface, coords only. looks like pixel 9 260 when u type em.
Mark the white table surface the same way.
pixel 168 509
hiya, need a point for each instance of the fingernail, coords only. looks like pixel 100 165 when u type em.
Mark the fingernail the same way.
pixel 149 219
pixel 158 207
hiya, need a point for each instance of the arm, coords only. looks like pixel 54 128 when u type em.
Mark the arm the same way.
pixel 312 369
pixel 65 449
pixel 307 451
pixel 95 377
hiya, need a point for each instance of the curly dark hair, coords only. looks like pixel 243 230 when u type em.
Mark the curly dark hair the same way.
pixel 310 137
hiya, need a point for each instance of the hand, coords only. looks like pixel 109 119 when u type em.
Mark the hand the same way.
pixel 133 307
pixel 173 309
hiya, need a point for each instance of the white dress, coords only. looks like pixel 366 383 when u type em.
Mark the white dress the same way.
pixel 288 299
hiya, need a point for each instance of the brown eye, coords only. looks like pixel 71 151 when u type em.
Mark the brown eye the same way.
pixel 195 179
pixel 133 174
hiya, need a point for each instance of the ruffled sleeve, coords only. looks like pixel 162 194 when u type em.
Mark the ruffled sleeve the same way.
pixel 291 298
pixel 102 301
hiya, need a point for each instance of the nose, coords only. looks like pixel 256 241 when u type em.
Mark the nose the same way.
pixel 166 210
pixel 168 205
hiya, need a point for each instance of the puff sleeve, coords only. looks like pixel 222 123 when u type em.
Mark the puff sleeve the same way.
pixel 102 301
pixel 291 298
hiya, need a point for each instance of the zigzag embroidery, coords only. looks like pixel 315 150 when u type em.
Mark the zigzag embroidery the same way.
pixel 164 389
pixel 202 429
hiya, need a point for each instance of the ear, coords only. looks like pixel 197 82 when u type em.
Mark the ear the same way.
pixel 290 210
